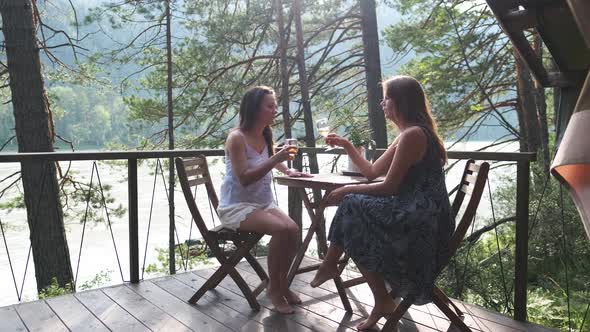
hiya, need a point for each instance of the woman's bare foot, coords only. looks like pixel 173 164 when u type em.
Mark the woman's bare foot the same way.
pixel 292 298
pixel 384 307
pixel 325 272
pixel 280 303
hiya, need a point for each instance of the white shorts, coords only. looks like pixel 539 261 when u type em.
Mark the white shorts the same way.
pixel 232 216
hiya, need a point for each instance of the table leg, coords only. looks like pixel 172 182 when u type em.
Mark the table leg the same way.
pixel 310 232
pixel 317 227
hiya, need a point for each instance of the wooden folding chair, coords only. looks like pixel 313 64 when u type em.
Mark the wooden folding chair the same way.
pixel 472 184
pixel 194 172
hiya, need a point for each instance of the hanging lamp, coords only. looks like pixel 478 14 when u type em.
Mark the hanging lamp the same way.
pixel 571 165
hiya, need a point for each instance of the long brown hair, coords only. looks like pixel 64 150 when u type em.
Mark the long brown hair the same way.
pixel 412 105
pixel 249 109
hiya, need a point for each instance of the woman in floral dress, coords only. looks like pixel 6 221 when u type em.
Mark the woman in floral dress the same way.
pixel 396 231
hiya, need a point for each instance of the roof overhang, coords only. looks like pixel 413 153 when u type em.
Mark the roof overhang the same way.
pixel 554 20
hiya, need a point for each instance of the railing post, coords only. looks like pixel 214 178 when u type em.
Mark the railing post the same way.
pixel 522 240
pixel 133 222
pixel 294 201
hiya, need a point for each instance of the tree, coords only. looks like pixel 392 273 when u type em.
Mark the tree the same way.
pixel 470 71
pixel 34 132
pixel 373 72
pixel 223 47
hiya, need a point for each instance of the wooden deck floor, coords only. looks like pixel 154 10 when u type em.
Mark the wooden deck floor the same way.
pixel 160 305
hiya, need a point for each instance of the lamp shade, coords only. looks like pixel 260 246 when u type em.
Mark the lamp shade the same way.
pixel 571 165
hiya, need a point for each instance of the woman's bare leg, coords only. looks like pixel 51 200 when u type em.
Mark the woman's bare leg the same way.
pixel 291 249
pixel 384 303
pixel 264 222
pixel 329 267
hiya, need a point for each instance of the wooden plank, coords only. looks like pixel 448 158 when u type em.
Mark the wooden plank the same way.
pixel 361 294
pixel 38 316
pixel 109 313
pixel 75 315
pixel 187 314
pixel 187 283
pixel 192 162
pixel 467 189
pixel 328 304
pixel 194 171
pixel 10 321
pixel 197 181
pixel 302 316
pixel 110 155
pixel 119 155
pixel 322 305
pixel 473 167
pixel 470 178
pixel 482 318
pixel 146 312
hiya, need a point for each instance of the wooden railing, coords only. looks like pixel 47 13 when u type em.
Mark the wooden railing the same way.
pixel 522 160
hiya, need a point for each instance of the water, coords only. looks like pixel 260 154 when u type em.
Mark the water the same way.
pixel 97 251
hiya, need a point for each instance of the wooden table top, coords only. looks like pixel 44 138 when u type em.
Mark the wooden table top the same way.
pixel 325 181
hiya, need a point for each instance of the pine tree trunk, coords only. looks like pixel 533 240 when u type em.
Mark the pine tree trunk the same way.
pixel 541 103
pixel 295 203
pixel 171 224
pixel 528 120
pixel 307 115
pixel 373 72
pixel 34 131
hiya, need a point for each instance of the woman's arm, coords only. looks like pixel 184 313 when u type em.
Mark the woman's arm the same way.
pixel 369 170
pixel 236 149
pixel 410 149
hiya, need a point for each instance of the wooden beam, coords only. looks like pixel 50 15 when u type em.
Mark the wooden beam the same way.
pixel 522 19
pixel 502 9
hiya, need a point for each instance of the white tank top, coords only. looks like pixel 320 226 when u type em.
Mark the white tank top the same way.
pixel 259 192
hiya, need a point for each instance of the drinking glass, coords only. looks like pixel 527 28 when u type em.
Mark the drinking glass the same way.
pixel 291 143
pixel 292 148
pixel 323 129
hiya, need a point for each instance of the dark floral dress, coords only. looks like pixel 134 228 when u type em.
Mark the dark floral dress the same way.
pixel 403 237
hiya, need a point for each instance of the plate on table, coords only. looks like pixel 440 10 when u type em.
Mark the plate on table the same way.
pixel 351 173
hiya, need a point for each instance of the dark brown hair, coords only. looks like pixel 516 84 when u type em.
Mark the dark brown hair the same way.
pixel 411 104
pixel 250 108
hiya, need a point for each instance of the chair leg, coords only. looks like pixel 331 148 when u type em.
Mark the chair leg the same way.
pixel 254 262
pixel 395 317
pixel 342 293
pixel 211 283
pixel 234 260
pixel 340 285
pixel 245 289
pixel 439 293
pixel 228 267
pixel 455 320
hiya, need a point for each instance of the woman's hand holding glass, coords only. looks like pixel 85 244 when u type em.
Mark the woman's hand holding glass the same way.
pixel 292 148
pixel 323 127
pixel 336 140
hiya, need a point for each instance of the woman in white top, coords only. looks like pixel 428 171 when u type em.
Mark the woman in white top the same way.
pixel 246 200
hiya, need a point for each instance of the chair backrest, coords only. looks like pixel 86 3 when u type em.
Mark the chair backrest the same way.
pixel 195 172
pixel 472 184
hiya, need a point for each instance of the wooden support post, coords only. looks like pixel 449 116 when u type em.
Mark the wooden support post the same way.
pixel 295 201
pixel 522 240
pixel 133 222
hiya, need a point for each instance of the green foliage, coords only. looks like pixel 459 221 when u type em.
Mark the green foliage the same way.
pixel 98 280
pixel 474 275
pixel 54 289
pixel 464 62
pixel 197 256
pixel 220 49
